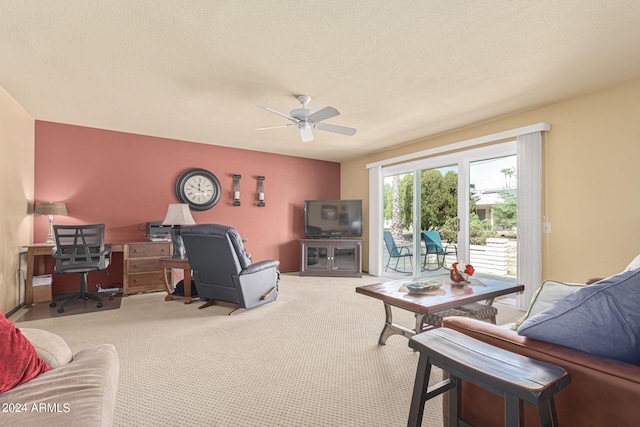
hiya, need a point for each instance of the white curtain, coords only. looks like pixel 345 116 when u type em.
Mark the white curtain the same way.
pixel 375 220
pixel 529 149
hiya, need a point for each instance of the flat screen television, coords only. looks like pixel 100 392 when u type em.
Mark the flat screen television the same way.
pixel 333 218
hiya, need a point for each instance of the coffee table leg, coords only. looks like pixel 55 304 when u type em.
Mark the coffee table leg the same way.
pixel 420 322
pixel 391 328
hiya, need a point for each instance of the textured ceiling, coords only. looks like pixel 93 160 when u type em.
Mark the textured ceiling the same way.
pixel 397 70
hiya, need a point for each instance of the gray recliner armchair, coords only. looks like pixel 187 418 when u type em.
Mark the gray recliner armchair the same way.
pixel 224 273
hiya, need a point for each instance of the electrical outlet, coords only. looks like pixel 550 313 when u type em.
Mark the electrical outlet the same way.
pixel 546 228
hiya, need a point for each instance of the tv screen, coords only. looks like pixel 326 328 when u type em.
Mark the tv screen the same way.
pixel 333 218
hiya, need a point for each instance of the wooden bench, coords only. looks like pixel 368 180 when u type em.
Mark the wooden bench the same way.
pixel 515 377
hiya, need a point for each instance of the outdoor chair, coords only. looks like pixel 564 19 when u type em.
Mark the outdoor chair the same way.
pixel 435 249
pixel 397 252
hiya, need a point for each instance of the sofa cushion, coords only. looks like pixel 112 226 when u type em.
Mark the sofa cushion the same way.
pixel 20 362
pixel 80 393
pixel 549 293
pixel 601 319
pixel 51 347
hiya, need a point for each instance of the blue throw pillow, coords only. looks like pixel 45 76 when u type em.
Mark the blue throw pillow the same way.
pixel 601 319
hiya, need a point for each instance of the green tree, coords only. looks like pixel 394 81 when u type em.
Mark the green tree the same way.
pixel 505 214
pixel 439 196
pixel 508 173
pixel 479 230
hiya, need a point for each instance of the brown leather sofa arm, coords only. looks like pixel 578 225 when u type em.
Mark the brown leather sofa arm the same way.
pixel 602 391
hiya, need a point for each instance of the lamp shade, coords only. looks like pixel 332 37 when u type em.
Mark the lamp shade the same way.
pixel 178 214
pixel 50 208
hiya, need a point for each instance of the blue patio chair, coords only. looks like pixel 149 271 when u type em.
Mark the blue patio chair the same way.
pixel 434 246
pixel 402 252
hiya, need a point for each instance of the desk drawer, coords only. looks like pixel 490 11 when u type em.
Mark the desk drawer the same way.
pixel 149 249
pixel 142 265
pixel 142 271
pixel 144 282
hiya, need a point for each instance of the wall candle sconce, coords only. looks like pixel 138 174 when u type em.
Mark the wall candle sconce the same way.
pixel 261 191
pixel 236 190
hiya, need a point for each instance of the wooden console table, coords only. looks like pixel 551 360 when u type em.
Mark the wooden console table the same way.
pixel 181 264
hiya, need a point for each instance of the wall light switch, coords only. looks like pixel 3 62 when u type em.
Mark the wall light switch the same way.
pixel 546 228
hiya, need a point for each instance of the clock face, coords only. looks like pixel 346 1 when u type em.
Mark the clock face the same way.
pixel 199 188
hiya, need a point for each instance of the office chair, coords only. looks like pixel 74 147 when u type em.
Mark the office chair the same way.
pixel 80 249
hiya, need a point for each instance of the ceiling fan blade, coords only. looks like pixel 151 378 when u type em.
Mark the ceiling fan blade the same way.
pixel 335 129
pixel 294 120
pixel 276 126
pixel 325 113
pixel 306 133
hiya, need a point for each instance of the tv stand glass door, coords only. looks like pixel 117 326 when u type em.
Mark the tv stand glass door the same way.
pixel 331 257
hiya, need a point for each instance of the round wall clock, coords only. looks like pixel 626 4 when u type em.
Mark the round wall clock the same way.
pixel 198 188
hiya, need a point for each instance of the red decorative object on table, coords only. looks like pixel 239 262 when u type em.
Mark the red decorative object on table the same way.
pixel 459 276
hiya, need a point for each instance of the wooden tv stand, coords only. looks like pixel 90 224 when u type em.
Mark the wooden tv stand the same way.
pixel 331 257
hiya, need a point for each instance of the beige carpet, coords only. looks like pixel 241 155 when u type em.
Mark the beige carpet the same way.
pixel 309 359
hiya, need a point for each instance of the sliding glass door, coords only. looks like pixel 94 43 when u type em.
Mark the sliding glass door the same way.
pixel 398 235
pixel 457 207
pixel 493 228
pixel 519 182
pixel 438 218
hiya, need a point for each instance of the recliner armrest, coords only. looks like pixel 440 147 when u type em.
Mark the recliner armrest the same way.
pixel 260 266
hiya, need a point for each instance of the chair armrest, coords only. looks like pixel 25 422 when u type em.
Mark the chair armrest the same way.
pixel 260 266
pixel 404 246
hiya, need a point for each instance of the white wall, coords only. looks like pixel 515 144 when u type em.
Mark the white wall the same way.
pixel 16 196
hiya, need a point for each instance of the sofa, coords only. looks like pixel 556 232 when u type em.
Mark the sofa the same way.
pixel 603 391
pixel 73 390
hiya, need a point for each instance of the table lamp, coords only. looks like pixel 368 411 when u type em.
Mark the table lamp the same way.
pixel 178 215
pixel 51 209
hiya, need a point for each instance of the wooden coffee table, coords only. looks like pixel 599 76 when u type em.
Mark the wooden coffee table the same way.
pixel 449 296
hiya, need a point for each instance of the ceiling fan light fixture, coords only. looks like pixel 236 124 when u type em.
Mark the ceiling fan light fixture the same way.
pixel 308 119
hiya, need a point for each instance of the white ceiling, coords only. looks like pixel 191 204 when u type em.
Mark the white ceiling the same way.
pixel 397 70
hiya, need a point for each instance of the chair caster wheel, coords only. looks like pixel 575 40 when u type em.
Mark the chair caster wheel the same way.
pixel 61 310
pixel 53 304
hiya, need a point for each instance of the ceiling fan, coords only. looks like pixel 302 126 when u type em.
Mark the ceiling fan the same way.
pixel 306 120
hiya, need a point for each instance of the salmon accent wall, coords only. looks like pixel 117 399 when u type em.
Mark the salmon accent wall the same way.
pixel 125 180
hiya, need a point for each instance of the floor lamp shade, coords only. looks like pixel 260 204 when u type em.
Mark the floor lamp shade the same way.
pixel 178 214
pixel 50 209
